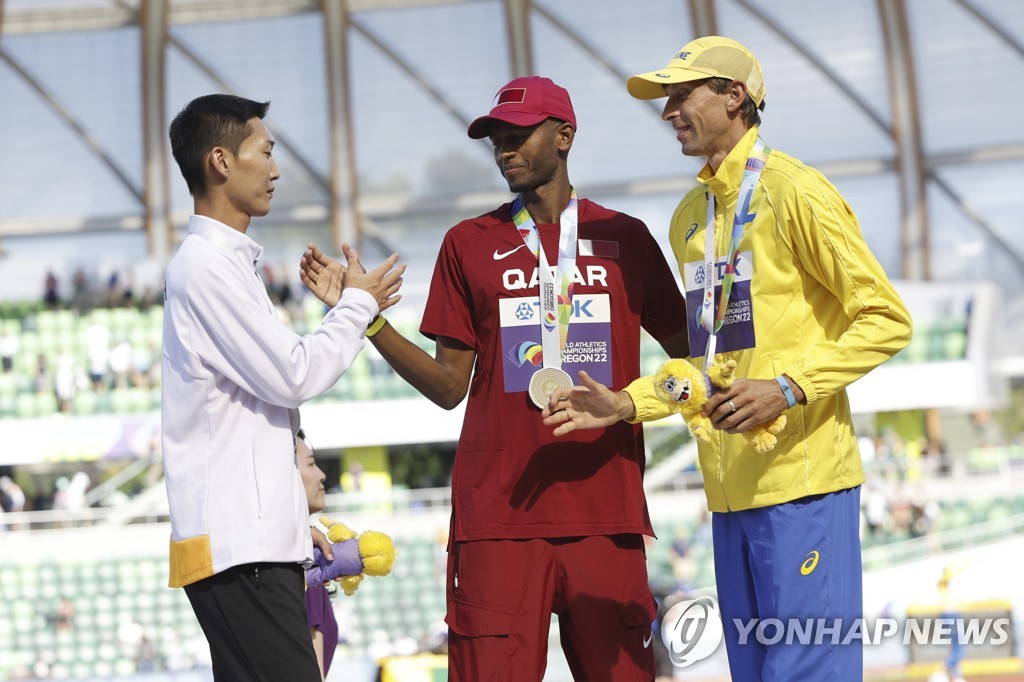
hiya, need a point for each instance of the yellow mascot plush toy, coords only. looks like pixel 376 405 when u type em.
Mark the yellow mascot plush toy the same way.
pixel 685 389
pixel 370 553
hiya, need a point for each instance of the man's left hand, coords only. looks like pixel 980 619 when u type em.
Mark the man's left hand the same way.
pixel 746 404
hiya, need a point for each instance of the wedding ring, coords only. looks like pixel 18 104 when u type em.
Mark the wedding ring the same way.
pixel 732 406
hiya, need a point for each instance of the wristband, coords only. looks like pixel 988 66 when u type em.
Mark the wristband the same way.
pixel 376 326
pixel 787 390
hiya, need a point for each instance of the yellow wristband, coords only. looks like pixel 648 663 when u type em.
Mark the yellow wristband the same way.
pixel 376 326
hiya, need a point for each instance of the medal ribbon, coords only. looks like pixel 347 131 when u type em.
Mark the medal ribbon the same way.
pixel 708 317
pixel 556 284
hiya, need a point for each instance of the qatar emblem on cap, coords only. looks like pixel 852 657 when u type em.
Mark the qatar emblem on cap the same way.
pixel 510 96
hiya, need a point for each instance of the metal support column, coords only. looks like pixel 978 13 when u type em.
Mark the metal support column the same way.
pixel 346 223
pixel 156 205
pixel 520 43
pixel 702 14
pixel 906 132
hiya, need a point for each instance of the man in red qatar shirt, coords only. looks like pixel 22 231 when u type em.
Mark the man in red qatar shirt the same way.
pixel 539 525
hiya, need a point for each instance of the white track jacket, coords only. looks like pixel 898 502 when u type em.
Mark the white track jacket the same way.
pixel 233 376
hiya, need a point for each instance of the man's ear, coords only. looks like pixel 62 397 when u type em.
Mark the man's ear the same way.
pixel 737 95
pixel 566 134
pixel 218 162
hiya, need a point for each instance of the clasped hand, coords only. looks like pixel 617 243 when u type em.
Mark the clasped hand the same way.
pixel 327 278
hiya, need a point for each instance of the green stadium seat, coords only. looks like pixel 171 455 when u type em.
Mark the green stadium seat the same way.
pixel 124 666
pixel 46 404
pixel 24 617
pixel 85 402
pixel 121 401
pixel 25 406
pixel 46 321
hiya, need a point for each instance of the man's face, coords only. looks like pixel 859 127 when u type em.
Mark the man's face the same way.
pixel 250 184
pixel 527 157
pixel 698 115
pixel 312 476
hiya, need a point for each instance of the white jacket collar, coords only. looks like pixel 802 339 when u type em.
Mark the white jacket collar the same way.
pixel 219 234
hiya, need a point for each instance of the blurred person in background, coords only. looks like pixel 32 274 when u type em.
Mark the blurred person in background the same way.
pixel 233 378
pixel 949 612
pixel 323 624
pixel 51 291
pixel 539 525
pixel 69 497
pixel 10 344
pixel 97 352
pixel 65 382
pixel 12 500
pixel 12 495
pixel 804 308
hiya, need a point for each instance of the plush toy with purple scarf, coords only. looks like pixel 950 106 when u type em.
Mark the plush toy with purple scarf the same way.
pixel 370 553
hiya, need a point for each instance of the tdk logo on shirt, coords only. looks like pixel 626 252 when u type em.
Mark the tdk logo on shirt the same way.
pixel 694 273
pixel 530 310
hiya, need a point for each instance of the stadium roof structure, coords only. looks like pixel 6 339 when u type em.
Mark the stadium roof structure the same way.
pixel 903 104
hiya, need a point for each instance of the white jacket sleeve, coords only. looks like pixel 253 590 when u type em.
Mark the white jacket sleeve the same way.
pixel 234 331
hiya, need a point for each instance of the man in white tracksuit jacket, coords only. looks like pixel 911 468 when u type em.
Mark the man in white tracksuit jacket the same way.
pixel 233 376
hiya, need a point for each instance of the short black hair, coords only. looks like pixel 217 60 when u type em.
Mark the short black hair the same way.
pixel 207 122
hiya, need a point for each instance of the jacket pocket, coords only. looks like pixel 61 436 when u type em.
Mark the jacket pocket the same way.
pixel 472 620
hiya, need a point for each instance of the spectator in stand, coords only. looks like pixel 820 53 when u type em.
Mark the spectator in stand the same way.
pixel 97 352
pixel 12 499
pixel 13 495
pixel 69 497
pixel 10 344
pixel 684 568
pixel 51 296
pixel 65 382
pixel 876 510
pixel 115 292
pixel 924 512
pixel 81 293
pixel 121 363
pixel 42 379
pixel 64 617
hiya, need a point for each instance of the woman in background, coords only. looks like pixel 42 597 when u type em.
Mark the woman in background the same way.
pixel 323 626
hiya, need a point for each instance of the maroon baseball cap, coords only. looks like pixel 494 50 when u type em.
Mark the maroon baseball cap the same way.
pixel 525 102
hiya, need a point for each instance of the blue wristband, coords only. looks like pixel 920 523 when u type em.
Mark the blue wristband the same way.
pixel 787 390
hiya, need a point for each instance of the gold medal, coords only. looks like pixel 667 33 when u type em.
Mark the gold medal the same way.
pixel 544 382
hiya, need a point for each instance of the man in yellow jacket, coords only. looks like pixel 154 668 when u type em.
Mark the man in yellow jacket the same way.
pixel 778 278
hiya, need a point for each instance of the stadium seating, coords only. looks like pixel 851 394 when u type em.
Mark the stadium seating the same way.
pixel 50 333
pixel 114 601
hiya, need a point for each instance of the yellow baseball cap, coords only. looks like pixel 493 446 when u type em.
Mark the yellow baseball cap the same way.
pixel 707 57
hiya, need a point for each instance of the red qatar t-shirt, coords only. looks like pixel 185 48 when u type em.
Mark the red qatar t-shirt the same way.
pixel 513 478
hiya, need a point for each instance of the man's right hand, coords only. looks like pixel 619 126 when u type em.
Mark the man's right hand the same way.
pixel 592 405
pixel 327 278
